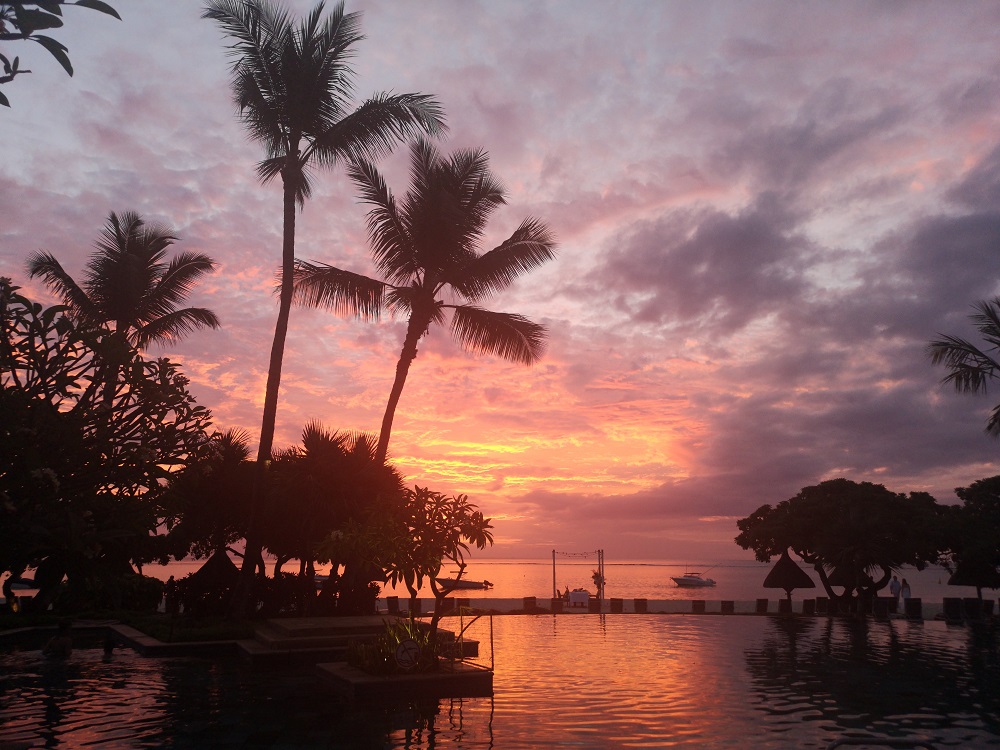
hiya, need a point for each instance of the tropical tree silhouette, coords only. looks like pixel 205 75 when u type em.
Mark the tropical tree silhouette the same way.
pixel 971 368
pixel 84 464
pixel 328 485
pixel 292 85
pixel 206 503
pixel 427 244
pixel 129 287
pixel 847 532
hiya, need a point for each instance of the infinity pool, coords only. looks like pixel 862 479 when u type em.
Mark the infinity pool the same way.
pixel 582 681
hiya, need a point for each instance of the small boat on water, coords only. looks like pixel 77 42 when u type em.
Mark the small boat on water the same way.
pixel 461 583
pixel 693 580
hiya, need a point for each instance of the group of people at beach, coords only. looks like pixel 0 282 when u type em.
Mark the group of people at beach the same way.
pixel 899 589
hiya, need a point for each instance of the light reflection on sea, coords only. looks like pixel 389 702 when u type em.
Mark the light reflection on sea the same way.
pixel 581 681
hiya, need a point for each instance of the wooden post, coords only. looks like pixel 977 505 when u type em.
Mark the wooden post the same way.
pixel 554 595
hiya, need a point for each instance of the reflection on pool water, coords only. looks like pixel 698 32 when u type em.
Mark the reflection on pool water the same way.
pixel 582 681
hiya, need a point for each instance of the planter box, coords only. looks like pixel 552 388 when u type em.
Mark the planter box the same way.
pixel 466 681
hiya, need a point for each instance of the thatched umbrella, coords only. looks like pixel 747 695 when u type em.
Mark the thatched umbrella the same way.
pixel 218 571
pixel 787 575
pixel 978 574
pixel 207 590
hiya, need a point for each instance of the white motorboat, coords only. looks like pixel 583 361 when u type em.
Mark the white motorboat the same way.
pixel 693 580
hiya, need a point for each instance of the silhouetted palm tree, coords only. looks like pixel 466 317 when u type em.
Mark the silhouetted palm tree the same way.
pixel 427 244
pixel 292 85
pixel 129 287
pixel 206 502
pixel 970 368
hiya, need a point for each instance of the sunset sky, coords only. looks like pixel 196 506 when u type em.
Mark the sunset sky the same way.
pixel 764 210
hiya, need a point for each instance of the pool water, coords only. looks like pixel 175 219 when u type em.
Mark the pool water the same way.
pixel 582 681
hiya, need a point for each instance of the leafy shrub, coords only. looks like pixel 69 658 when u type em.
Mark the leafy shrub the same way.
pixel 135 593
pixel 378 656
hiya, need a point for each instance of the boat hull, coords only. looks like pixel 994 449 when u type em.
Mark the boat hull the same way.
pixel 693 583
pixel 453 583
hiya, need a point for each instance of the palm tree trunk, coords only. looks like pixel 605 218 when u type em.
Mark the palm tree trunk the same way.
pixel 414 330
pixel 254 544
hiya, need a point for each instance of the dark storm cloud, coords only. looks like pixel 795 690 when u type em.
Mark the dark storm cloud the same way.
pixel 837 122
pixel 845 386
pixel 980 190
pixel 712 268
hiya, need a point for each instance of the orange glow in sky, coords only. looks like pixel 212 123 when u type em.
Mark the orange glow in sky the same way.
pixel 763 217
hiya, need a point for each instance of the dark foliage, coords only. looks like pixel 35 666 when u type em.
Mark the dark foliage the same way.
pixel 85 455
pixel 22 20
pixel 853 534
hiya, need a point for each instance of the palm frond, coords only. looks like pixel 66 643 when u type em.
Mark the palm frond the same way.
pixel 399 300
pixel 343 292
pixel 320 78
pixel 390 242
pixel 448 206
pixel 993 423
pixel 174 325
pixel 505 335
pixel 363 446
pixel 970 369
pixel 45 266
pixel 260 30
pixel 373 129
pixel 987 320
pixel 320 440
pixel 232 445
pixel 176 283
pixel 270 168
pixel 528 247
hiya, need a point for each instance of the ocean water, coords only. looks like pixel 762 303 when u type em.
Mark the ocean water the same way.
pixel 588 681
pixel 737 580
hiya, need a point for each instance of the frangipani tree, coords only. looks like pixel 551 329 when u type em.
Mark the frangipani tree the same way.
pixel 21 20
pixel 436 529
pixel 84 461
pixel 427 245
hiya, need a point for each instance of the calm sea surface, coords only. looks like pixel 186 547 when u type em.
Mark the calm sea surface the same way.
pixel 580 681
pixel 738 580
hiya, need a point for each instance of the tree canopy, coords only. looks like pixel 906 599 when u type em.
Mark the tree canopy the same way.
pixel 427 248
pixel 974 536
pixel 84 465
pixel 854 534
pixel 130 288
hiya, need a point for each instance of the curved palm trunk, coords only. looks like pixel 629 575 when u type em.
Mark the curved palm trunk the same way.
pixel 252 559
pixel 414 330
